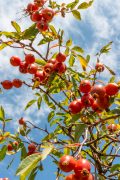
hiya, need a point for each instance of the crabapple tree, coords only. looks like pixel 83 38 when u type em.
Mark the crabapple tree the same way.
pixel 84 144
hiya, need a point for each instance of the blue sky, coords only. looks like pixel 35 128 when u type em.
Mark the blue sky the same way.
pixel 99 25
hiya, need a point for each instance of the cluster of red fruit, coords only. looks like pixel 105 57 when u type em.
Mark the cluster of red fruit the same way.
pixel 12 146
pixel 81 168
pixel 97 97
pixel 40 73
pixel 4 178
pixel 7 84
pixel 42 16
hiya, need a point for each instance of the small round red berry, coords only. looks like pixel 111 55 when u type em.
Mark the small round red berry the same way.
pixel 96 108
pixel 9 147
pixel 31 8
pixel 15 143
pixel 23 67
pixel 87 100
pixel 82 168
pixel 48 68
pixel 67 163
pixel 99 67
pixel 42 25
pixel 32 68
pixel 103 102
pixel 90 177
pixel 7 84
pixel 53 61
pixel 31 147
pixel 22 121
pixel 75 106
pixel 98 91
pixel 111 89
pixel 85 86
pixel 40 75
pixel 15 61
pixel 112 127
pixel 60 68
pixel 48 14
pixel 60 57
pixel 17 83
pixel 40 3
pixel 29 58
pixel 36 16
pixel 72 177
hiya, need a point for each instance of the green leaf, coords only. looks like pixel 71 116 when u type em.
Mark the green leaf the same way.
pixel 23 153
pixel 88 58
pixel 110 70
pixel 40 62
pixel 30 103
pixel 106 48
pixel 16 26
pixel 75 86
pixel 71 60
pixel 115 167
pixel 51 115
pixel 67 51
pixel 28 164
pixel 39 102
pixel 33 174
pixel 2 113
pixel 54 122
pixel 72 4
pixel 69 43
pixel 112 79
pixel 76 14
pixel 43 41
pixel 75 118
pixel 85 5
pixel 50 104
pixel 78 131
pixel 78 49
pixel 3 152
pixel 30 33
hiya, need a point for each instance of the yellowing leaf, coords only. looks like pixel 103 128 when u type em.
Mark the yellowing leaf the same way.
pixel 118 126
pixel 30 103
pixel 36 84
pixel 46 151
pixel 22 177
pixel 40 62
pixel 83 62
pixel 85 5
pixel 16 26
pixel 7 134
pixel 76 14
pixel 2 114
